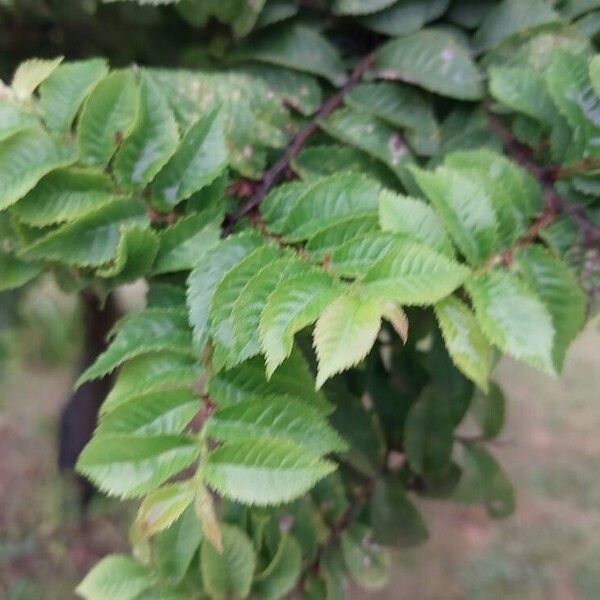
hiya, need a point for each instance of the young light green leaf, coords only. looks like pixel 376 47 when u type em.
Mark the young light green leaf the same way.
pixel 62 94
pixel 413 274
pixel 275 418
pixel 107 117
pixel 513 318
pixel 345 333
pixel 263 474
pixel 434 60
pixel 30 74
pixel 228 575
pixel 129 466
pixel 116 576
pixel 199 160
pixel 152 142
pixel 468 347
pixel 25 158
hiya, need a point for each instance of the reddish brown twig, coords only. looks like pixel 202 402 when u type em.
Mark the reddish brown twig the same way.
pixel 272 176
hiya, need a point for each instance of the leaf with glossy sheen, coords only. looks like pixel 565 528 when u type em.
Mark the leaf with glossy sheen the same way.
pixel 228 575
pixel 512 17
pixel 147 331
pixel 468 347
pixel 295 304
pixel 205 277
pixel 63 93
pixel 295 47
pixel 30 74
pixel 263 474
pixel 275 418
pixel 153 413
pixel 414 274
pixel 152 141
pixel 345 333
pixel 396 521
pixel 560 291
pixel 117 577
pixel 331 200
pixel 367 562
pixel 465 208
pixel 513 318
pixel 413 218
pixel 199 160
pixel 25 158
pixel 434 60
pixel 281 574
pixel 129 466
pixel 107 117
pixel 64 195
pixel 93 239
pixel 163 507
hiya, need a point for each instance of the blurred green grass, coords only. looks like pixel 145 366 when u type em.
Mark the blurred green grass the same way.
pixel 550 549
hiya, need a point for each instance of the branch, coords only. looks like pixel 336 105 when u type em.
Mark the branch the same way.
pixel 555 203
pixel 276 172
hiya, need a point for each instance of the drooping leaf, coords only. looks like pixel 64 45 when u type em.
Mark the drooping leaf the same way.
pixel 489 410
pixel 434 60
pixel 30 74
pixel 108 117
pixel 263 474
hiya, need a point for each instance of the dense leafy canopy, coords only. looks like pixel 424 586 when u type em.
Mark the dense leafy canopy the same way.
pixel 298 375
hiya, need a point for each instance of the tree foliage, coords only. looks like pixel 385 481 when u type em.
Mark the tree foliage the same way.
pixel 345 214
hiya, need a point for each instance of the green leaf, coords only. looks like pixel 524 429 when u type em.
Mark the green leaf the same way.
pixel 413 274
pixel 358 255
pixel 154 413
pixel 405 17
pixel 14 118
pixel 15 272
pixel 177 546
pixel 345 333
pixel 464 207
pixel 368 563
pixel 328 202
pixel 295 47
pixel 118 577
pixel 513 318
pixel 278 203
pixel 248 307
pixel 484 482
pixel 263 474
pixel 226 294
pixel 360 7
pixel 30 74
pixel 396 521
pixel 152 142
pixel 279 419
pixel 281 574
pixel 412 218
pixel 205 277
pixel 199 160
pixel 63 93
pixel 228 575
pixel 107 117
pixel 64 195
pixel 163 507
pixel 147 331
pixel 129 466
pixel 295 304
pixel 92 240
pixel 370 134
pixel 489 410
pixel 25 158
pixel 429 435
pixel 468 347
pixel 434 60
pixel 151 372
pixel 559 290
pixel 512 17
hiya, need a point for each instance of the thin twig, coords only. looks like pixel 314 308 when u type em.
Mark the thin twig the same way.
pixel 272 176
